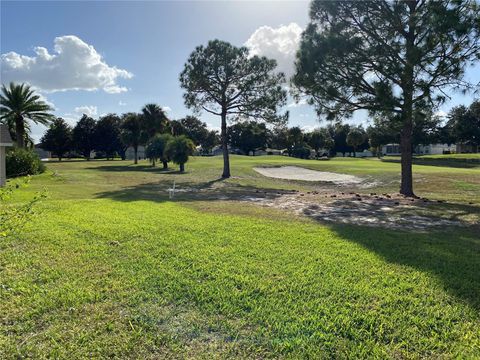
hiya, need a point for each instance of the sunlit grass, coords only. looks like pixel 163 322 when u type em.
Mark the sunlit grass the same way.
pixel 111 268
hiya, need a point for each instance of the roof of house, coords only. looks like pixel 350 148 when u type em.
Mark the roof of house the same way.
pixel 5 139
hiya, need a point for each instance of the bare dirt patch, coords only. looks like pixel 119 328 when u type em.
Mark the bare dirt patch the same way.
pixel 299 173
pixel 385 210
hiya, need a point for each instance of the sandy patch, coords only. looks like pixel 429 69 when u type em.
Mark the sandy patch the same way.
pixel 364 210
pixel 299 173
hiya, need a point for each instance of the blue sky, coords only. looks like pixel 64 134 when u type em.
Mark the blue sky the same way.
pixel 138 49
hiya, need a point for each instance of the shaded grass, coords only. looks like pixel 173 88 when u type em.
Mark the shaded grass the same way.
pixel 147 278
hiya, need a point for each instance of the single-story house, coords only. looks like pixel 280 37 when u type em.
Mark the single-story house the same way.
pixel 42 154
pixel 431 149
pixel 467 148
pixel 130 153
pixel 435 149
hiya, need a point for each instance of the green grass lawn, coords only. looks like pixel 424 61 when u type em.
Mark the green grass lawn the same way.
pixel 109 267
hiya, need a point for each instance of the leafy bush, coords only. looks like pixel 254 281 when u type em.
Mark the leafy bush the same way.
pixel 155 149
pixel 21 162
pixel 301 151
pixel 179 149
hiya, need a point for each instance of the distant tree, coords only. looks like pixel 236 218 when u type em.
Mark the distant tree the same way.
pixel 176 128
pixel 194 129
pixel 18 104
pixel 58 138
pixel 179 149
pixel 320 139
pixel 155 149
pixel 339 134
pixel 464 123
pixel 426 129
pixel 224 80
pixel 107 136
pixel 154 119
pixel 294 136
pixel 132 132
pixel 386 57
pixel 356 137
pixel 210 141
pixel 248 136
pixel 83 136
pixel 278 138
pixel 300 150
pixel 379 136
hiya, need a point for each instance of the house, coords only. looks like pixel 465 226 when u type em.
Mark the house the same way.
pixel 5 141
pixel 130 153
pixel 217 150
pixel 391 149
pixel 270 151
pixel 42 153
pixel 364 153
pixel 467 148
pixel 435 149
pixel 431 149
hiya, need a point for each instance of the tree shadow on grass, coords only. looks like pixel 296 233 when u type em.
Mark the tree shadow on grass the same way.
pixel 452 256
pixel 132 167
pixel 215 189
pixel 455 163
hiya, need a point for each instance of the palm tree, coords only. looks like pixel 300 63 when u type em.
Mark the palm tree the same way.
pixel 179 149
pixel 19 103
pixel 132 132
pixel 154 119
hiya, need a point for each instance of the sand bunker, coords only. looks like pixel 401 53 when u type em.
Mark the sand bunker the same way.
pixel 299 173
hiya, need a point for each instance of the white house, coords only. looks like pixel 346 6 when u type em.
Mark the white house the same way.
pixel 130 153
pixel 5 141
pixel 432 149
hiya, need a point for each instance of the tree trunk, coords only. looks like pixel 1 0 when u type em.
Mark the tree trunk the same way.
pixel 153 162
pixel 165 165
pixel 226 160
pixel 406 186
pixel 354 152
pixel 20 131
pixel 135 150
pixel 182 167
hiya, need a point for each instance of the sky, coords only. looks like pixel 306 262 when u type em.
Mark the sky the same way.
pixel 98 57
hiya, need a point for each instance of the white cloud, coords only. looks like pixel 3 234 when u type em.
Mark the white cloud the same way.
pixel 214 127
pixel 87 110
pixel 308 128
pixel 168 109
pixel 301 102
pixel 279 43
pixel 441 114
pixel 72 119
pixel 74 65
pixel 46 101
pixel 121 103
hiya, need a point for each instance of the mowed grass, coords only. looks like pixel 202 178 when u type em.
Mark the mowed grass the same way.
pixel 109 267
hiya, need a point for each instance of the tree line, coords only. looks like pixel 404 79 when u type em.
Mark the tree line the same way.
pixel 111 135
pixel 460 126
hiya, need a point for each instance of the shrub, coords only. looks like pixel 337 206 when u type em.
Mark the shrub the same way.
pixel 21 162
pixel 301 151
pixel 179 149
pixel 156 149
